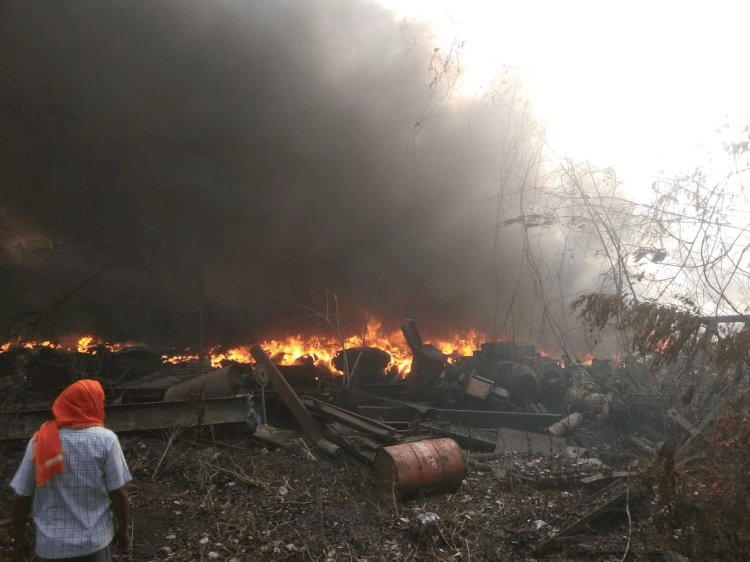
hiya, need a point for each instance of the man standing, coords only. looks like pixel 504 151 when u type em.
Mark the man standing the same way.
pixel 72 480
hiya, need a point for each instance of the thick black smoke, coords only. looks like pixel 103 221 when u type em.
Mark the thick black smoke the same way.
pixel 250 156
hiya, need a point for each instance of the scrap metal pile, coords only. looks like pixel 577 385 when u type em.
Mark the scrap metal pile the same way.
pixel 505 410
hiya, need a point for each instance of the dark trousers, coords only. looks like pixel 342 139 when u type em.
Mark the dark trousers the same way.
pixel 103 555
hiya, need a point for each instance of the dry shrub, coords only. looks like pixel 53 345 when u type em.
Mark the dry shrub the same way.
pixel 667 333
pixel 705 504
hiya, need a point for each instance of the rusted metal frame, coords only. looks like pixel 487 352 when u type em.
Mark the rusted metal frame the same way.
pixel 365 454
pixel 379 407
pixel 389 414
pixel 350 396
pixel 293 402
pixel 466 438
pixel 419 407
pixel 141 416
pixel 402 412
pixel 351 419
pixel 518 441
pixel 490 418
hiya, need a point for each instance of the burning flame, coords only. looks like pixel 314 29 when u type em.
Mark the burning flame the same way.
pixel 461 345
pixel 289 350
pixel 662 345
pixel 27 345
pixel 91 345
pixel 588 359
pixel 322 349
pixel 85 344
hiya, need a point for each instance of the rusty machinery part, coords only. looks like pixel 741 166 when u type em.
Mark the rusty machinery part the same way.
pixel 292 401
pixel 260 373
pixel 215 384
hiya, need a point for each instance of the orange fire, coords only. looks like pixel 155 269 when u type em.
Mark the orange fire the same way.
pixel 661 346
pixel 83 344
pixel 180 358
pixel 588 359
pixel 91 344
pixel 461 345
pixel 28 345
pixel 86 345
pixel 291 349
pixel 322 349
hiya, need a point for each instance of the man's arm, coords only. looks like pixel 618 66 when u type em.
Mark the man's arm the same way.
pixel 19 516
pixel 121 510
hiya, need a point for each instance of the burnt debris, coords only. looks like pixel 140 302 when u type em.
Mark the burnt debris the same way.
pixel 505 412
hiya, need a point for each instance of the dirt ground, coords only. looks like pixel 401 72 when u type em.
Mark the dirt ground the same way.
pixel 216 494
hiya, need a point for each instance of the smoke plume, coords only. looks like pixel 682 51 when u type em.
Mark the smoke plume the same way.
pixel 235 165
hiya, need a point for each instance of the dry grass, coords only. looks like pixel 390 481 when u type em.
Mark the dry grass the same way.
pixel 203 493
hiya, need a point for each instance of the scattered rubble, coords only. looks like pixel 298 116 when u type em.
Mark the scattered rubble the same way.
pixel 501 455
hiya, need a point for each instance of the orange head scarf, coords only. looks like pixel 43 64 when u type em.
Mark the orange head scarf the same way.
pixel 78 406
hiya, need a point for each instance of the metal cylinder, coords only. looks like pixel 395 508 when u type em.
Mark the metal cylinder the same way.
pixel 566 425
pixel 590 403
pixel 427 466
pixel 330 448
pixel 222 382
pixel 575 396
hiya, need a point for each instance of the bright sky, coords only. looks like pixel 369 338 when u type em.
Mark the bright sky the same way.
pixel 634 85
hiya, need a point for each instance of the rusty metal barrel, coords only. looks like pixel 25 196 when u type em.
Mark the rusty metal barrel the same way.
pixel 427 466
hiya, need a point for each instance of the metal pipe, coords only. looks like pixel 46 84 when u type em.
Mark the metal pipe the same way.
pixel 222 382
pixel 566 425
